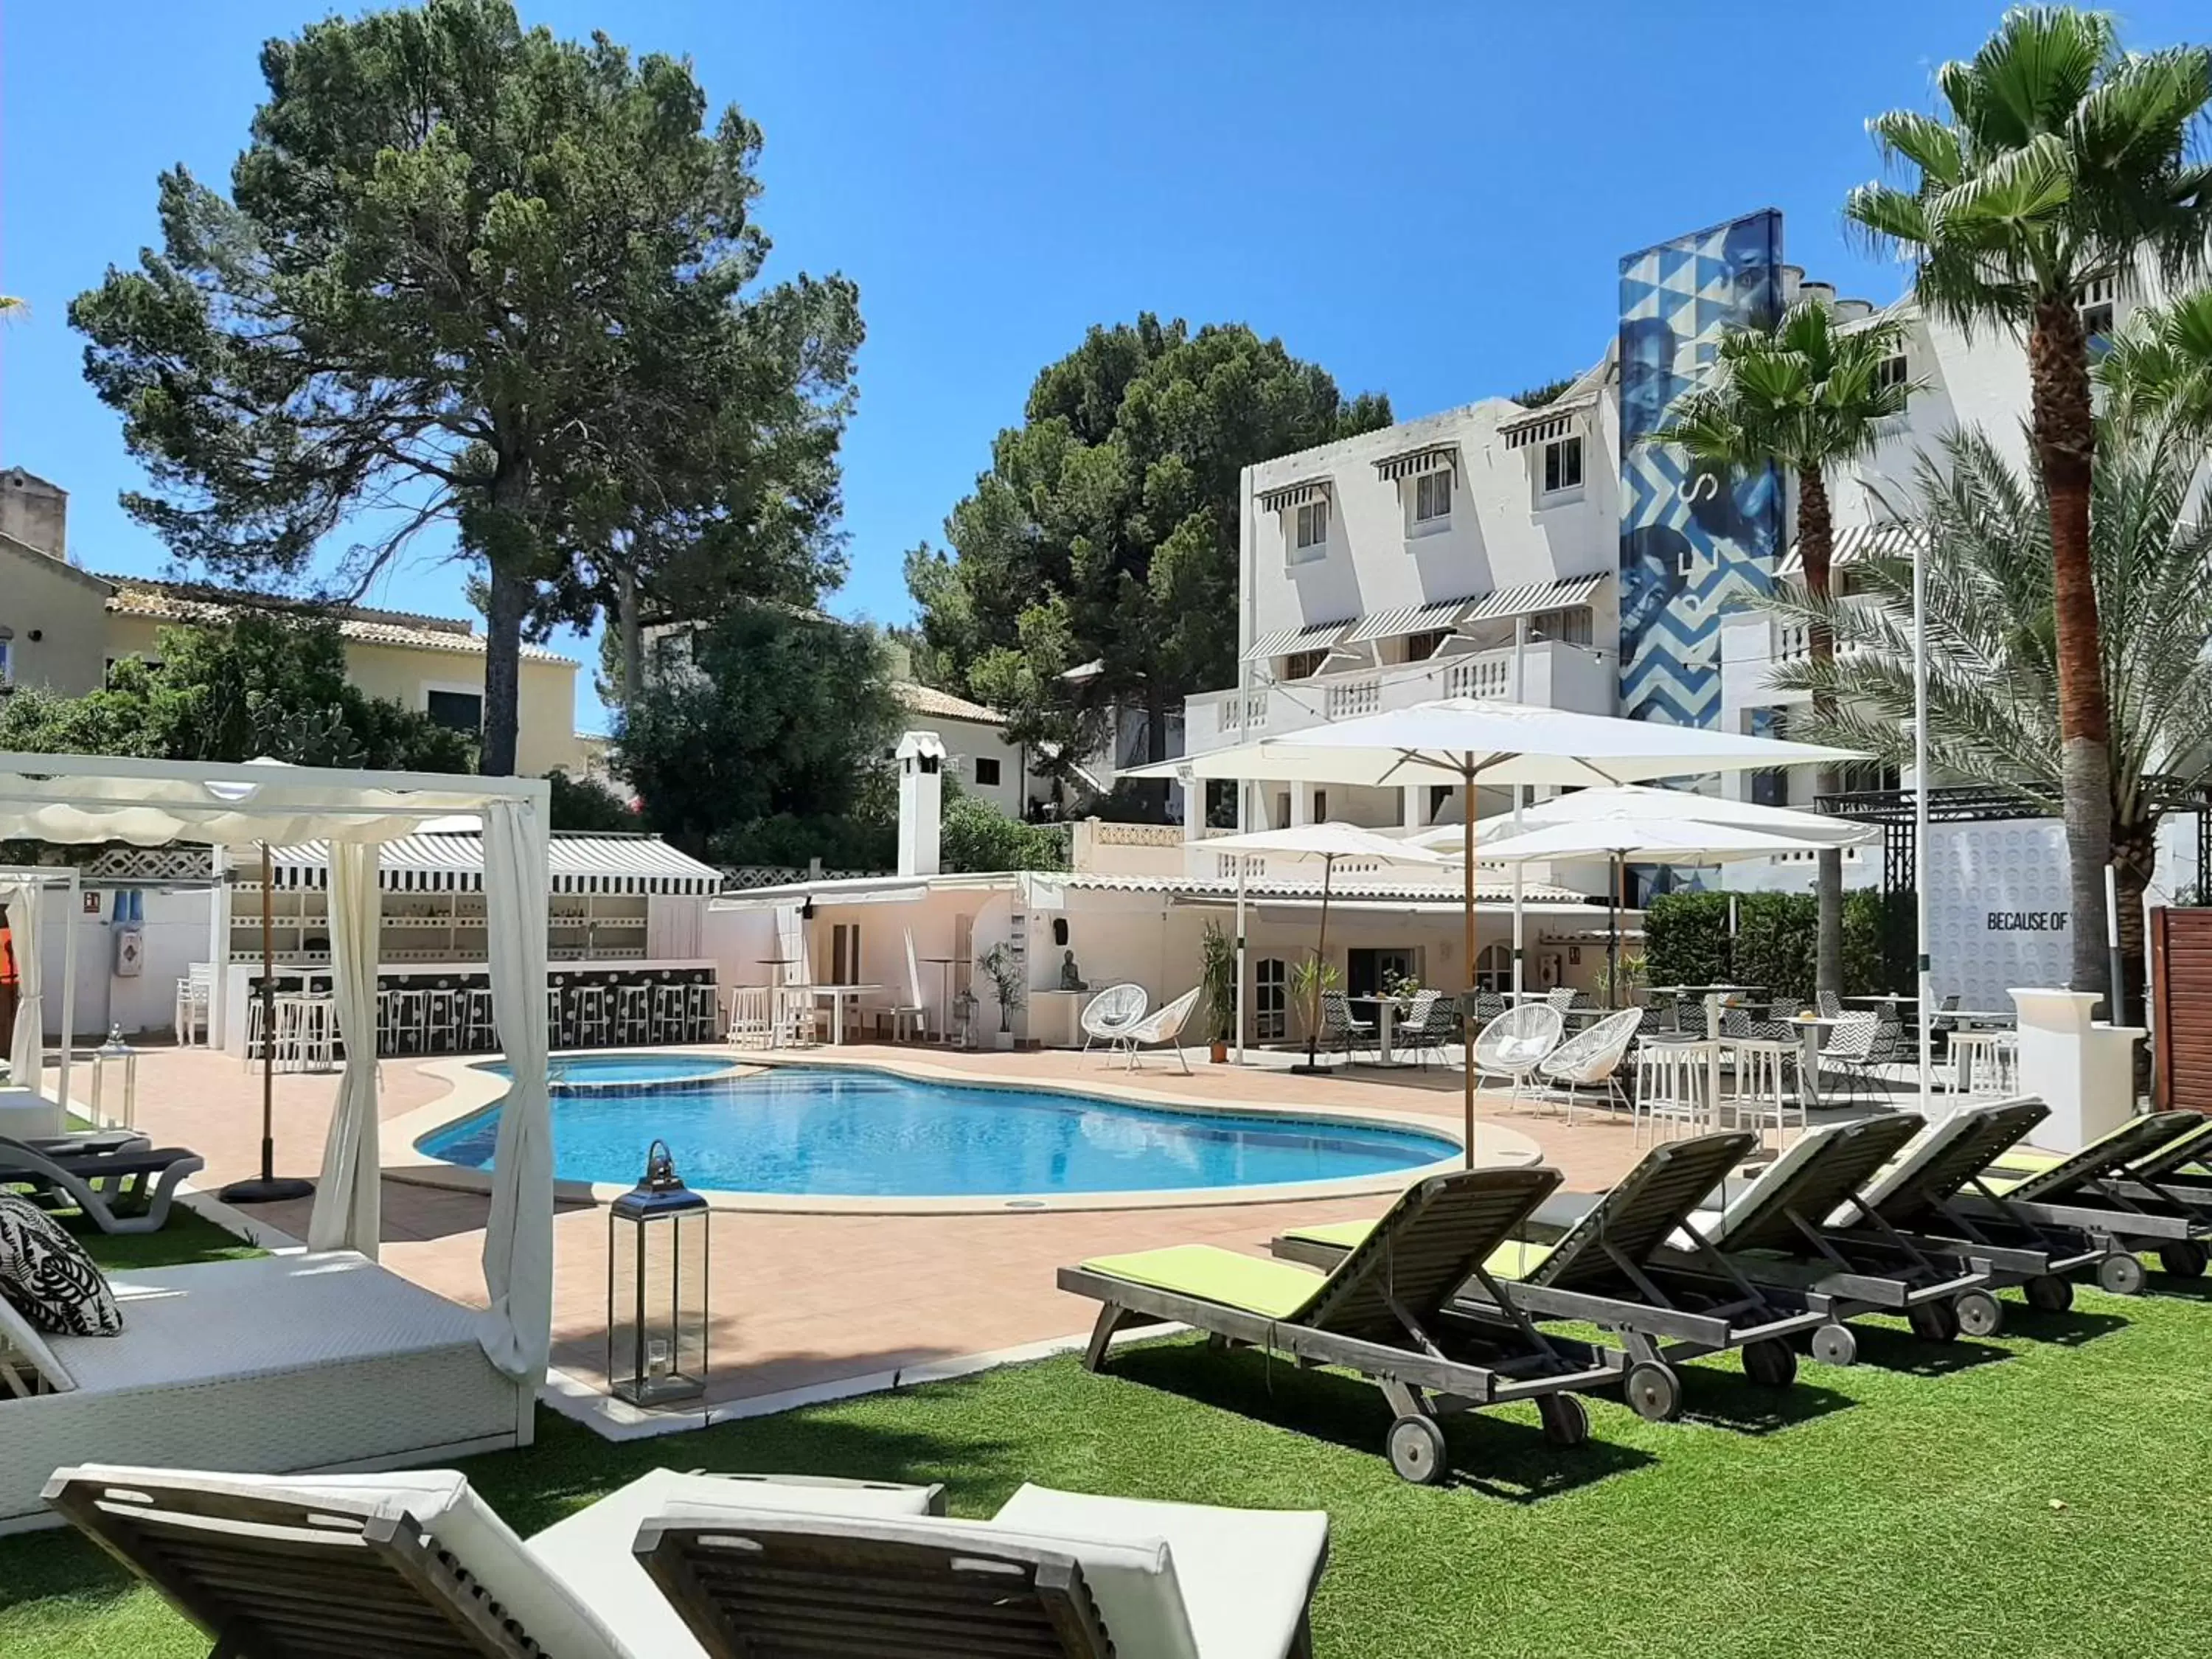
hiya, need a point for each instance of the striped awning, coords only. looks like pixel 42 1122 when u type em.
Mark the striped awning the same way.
pixel 1534 597
pixel 1891 539
pixel 1407 619
pixel 1287 497
pixel 1284 642
pixel 1538 426
pixel 443 863
pixel 1431 458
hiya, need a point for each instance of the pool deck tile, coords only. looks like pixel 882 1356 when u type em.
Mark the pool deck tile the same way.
pixel 803 1300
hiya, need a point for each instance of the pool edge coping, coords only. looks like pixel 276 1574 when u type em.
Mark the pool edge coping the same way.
pixel 470 1090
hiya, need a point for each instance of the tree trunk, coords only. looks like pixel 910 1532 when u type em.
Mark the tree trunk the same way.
pixel 1816 548
pixel 2065 445
pixel 504 544
pixel 1156 742
pixel 631 639
pixel 2135 855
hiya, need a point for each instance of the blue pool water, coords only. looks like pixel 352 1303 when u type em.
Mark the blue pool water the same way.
pixel 859 1133
pixel 593 1070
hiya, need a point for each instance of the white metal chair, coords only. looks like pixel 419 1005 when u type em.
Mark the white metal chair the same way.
pixel 195 998
pixel 1516 1043
pixel 749 1014
pixel 1161 1028
pixel 792 1020
pixel 1849 1044
pixel 912 1012
pixel 1591 1058
pixel 1109 1016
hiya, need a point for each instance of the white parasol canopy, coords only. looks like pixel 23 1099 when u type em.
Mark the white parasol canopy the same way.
pixel 1641 840
pixel 86 798
pixel 1645 804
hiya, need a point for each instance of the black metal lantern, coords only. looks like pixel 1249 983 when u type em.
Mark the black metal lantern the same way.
pixel 657 1266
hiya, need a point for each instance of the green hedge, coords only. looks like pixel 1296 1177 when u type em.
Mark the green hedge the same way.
pixel 1686 941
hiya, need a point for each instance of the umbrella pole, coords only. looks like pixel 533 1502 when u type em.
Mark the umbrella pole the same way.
pixel 1240 960
pixel 1612 939
pixel 1321 961
pixel 1466 901
pixel 267 1189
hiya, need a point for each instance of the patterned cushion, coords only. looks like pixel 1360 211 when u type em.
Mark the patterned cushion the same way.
pixel 47 1278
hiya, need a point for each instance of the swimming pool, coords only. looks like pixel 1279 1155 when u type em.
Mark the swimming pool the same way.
pixel 849 1131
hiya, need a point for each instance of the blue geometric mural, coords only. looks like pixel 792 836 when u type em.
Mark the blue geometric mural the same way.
pixel 1692 544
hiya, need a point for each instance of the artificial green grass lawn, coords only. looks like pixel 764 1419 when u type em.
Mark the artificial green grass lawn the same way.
pixel 2040 1494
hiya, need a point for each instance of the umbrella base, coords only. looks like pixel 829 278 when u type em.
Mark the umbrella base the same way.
pixel 275 1191
pixel 1316 1069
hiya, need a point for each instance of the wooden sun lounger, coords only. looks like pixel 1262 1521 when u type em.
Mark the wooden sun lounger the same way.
pixel 1602 1272
pixel 128 1191
pixel 1774 1236
pixel 1383 1312
pixel 2113 1191
pixel 1912 1207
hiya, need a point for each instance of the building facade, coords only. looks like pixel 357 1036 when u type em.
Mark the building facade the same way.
pixel 62 627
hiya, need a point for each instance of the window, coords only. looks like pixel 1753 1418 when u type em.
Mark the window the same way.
pixel 153 665
pixel 2097 318
pixel 1432 496
pixel 1571 626
pixel 1563 465
pixel 1440 796
pixel 1890 372
pixel 1311 537
pixel 1493 968
pixel 986 771
pixel 1419 648
pixel 1321 807
pixel 457 711
pixel 1221 803
pixel 1304 664
pixel 7 659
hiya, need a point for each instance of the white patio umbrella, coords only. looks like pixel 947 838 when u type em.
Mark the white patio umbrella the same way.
pixel 1467 741
pixel 1307 841
pixel 1647 804
pixel 1622 838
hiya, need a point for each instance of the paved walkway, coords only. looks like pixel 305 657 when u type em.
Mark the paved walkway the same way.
pixel 801 1300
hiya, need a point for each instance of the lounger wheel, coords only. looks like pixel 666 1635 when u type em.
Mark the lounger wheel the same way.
pixel 1567 1424
pixel 1770 1363
pixel 2049 1294
pixel 1976 1313
pixel 1836 1345
pixel 1933 1322
pixel 2121 1275
pixel 1416 1446
pixel 1654 1392
pixel 2184 1258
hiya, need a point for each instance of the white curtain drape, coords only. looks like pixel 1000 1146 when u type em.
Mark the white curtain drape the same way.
pixel 347 1214
pixel 518 1252
pixel 672 926
pixel 26 1056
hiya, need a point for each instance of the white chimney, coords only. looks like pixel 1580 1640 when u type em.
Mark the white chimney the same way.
pixel 922 803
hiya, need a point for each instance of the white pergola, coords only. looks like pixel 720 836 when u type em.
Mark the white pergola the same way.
pixel 74 798
pixel 21 890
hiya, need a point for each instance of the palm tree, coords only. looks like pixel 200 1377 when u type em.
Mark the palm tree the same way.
pixel 2061 161
pixel 1804 394
pixel 2157 376
pixel 1995 656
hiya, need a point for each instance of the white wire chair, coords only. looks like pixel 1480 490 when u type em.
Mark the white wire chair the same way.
pixel 1592 1057
pixel 1162 1028
pixel 1107 1016
pixel 1516 1043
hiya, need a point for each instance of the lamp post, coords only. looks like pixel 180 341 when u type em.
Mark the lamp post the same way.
pixel 1920 849
pixel 657 1235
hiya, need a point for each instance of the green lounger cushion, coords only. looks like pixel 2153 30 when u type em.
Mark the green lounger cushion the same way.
pixel 1338 1235
pixel 1515 1259
pixel 1253 1285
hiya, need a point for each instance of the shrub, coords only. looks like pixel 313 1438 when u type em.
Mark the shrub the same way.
pixel 1686 941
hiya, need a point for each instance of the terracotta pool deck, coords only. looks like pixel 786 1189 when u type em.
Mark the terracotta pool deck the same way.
pixel 804 1301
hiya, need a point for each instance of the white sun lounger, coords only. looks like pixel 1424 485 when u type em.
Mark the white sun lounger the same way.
pixel 1053 1575
pixel 352 1566
pixel 280 1364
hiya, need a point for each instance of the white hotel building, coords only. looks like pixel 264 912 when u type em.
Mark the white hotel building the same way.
pixel 1494 550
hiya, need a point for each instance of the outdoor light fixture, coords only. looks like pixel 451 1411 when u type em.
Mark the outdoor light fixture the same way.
pixel 117 1052
pixel 658 1240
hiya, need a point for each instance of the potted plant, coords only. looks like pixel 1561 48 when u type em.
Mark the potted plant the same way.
pixel 1004 969
pixel 1218 988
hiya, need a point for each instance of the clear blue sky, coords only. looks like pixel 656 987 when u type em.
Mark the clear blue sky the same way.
pixel 1430 200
